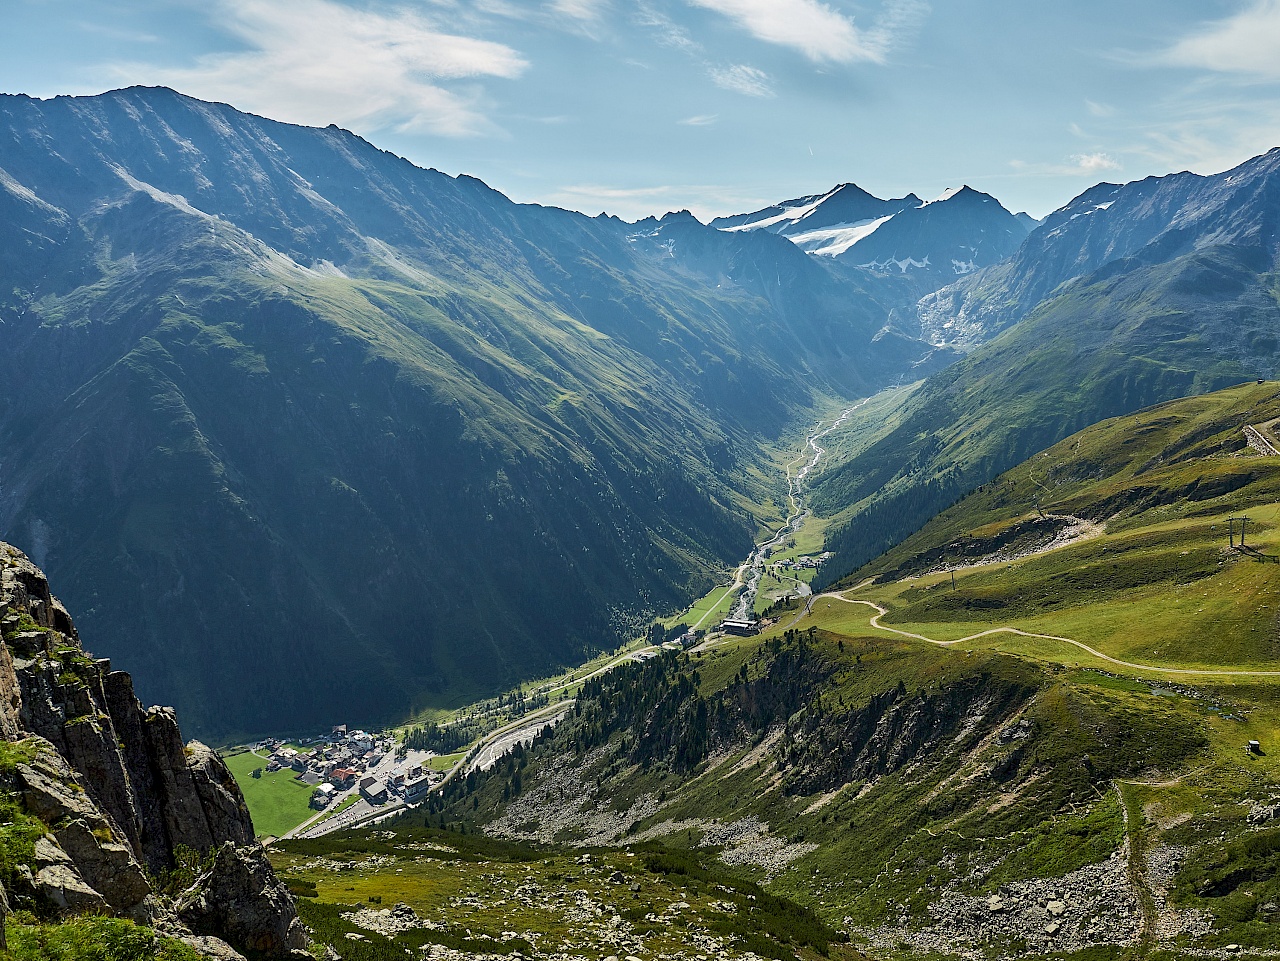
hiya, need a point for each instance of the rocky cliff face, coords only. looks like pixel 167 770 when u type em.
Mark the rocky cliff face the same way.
pixel 122 797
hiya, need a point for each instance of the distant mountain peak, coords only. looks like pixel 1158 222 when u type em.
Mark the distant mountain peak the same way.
pixel 952 235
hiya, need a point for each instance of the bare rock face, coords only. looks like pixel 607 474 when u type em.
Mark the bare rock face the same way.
pixel 87 841
pixel 119 791
pixel 157 792
pixel 242 901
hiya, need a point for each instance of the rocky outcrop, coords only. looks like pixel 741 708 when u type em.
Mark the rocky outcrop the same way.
pixel 158 792
pixel 119 793
pixel 240 900
pixel 91 863
pixel 895 728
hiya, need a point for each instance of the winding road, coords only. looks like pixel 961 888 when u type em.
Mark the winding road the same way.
pixel 882 611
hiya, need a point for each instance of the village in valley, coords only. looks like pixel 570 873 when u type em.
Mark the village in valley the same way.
pixel 357 777
pixel 353 774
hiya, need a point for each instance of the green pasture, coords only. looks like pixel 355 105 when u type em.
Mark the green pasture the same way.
pixel 277 802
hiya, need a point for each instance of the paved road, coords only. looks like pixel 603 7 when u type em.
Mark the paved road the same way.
pixel 1258 441
pixel 520 733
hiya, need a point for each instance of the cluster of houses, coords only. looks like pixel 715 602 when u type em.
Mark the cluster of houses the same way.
pixel 409 785
pixel 346 759
pixel 342 754
pixel 807 562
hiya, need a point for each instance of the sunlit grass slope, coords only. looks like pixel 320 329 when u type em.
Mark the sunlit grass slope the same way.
pixel 1147 573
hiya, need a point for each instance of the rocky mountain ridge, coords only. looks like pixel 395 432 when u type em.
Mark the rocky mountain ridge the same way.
pixel 1128 296
pixel 113 800
pixel 1126 226
pixel 930 242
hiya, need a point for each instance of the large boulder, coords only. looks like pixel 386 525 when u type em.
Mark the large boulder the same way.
pixel 240 900
pixel 59 885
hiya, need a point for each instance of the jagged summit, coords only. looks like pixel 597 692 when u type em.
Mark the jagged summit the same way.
pixel 844 205
pixel 942 239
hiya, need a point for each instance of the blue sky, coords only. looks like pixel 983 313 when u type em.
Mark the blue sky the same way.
pixel 718 106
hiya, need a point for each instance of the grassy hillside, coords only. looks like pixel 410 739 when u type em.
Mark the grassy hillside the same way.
pixel 932 793
pixel 1150 577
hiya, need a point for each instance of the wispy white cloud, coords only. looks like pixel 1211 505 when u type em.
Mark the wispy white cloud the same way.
pixel 1081 164
pixel 741 78
pixel 819 31
pixel 320 62
pixel 1210 134
pixel 668 32
pixel 702 120
pixel 1095 162
pixel 1099 109
pixel 1245 43
pixel 579 9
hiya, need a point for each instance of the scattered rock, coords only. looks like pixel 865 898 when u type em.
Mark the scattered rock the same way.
pixel 209 947
pixel 1260 814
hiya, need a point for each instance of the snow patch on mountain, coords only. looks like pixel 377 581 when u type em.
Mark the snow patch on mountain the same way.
pixel 834 241
pixel 904 264
pixel 788 215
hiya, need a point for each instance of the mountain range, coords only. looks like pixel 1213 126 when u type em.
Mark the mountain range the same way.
pixel 357 437
pixel 1127 296
pixel 934 242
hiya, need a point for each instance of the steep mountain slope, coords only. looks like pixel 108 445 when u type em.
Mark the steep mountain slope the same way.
pixel 1151 221
pixel 932 243
pixel 996 795
pixel 354 435
pixel 1128 296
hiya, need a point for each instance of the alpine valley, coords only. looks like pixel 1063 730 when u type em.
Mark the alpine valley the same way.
pixel 355 432
pixel 305 434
